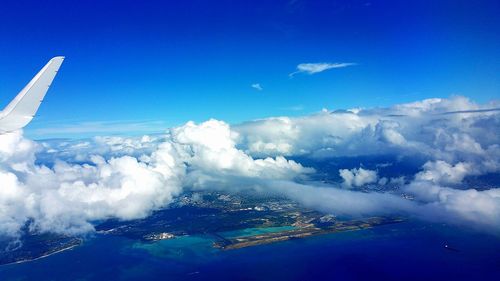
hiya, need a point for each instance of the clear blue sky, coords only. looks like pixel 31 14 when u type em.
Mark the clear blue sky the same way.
pixel 192 60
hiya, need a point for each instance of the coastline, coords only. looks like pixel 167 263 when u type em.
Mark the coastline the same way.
pixel 69 247
pixel 232 243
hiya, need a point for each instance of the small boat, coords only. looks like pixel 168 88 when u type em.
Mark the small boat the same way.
pixel 447 247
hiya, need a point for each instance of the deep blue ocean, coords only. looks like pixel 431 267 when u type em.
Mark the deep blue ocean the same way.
pixel 405 251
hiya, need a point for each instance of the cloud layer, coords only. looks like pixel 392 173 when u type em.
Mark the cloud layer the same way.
pixel 66 186
pixel 455 138
pixel 68 197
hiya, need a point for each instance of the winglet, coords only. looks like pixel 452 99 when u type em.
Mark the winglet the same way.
pixel 21 110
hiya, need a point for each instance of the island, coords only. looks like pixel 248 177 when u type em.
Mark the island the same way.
pixel 233 220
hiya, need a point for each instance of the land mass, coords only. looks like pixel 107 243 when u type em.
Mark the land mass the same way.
pixel 302 232
pixel 214 213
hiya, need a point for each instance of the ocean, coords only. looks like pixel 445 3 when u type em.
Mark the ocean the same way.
pixel 404 251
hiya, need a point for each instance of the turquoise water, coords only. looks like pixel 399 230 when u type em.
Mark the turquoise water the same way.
pixel 254 231
pixel 179 248
pixel 405 251
pixel 200 246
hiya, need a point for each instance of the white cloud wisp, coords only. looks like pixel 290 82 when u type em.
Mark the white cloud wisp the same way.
pixel 313 68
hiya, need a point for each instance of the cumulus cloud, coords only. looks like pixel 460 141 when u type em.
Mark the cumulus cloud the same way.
pixel 357 177
pixel 442 172
pixel 407 129
pixel 80 150
pixel 312 68
pixel 450 146
pixel 473 207
pixel 68 197
pixel 66 185
pixel 257 86
pixel 210 149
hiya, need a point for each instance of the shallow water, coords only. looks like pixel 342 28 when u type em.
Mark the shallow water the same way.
pixel 254 231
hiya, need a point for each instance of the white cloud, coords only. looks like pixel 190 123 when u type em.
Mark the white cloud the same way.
pixel 80 150
pixel 409 129
pixel 357 177
pixel 453 146
pixel 257 86
pixel 341 201
pixel 128 177
pixel 210 149
pixel 469 207
pixel 442 172
pixel 312 68
pixel 68 197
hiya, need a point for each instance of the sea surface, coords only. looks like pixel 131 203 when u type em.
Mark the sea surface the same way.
pixel 404 251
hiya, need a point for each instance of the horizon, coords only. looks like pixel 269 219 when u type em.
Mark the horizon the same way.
pixel 163 64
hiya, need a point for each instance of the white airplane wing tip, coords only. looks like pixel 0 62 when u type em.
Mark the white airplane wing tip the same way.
pixel 21 110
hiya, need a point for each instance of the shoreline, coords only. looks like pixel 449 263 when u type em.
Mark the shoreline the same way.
pixel 300 233
pixel 80 242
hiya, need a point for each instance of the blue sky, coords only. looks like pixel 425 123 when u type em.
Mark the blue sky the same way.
pixel 169 62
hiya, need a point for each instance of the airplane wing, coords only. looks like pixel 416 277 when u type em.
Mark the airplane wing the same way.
pixel 23 107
